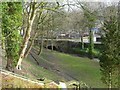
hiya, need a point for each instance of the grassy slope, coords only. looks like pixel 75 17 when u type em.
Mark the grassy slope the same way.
pixel 83 69
pixel 33 71
pixel 30 70
pixel 8 81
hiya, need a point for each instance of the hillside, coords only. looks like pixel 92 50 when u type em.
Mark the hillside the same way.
pixel 31 76
pixel 12 80
pixel 71 67
pixel 55 66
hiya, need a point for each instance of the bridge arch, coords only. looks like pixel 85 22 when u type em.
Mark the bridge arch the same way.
pixel 54 48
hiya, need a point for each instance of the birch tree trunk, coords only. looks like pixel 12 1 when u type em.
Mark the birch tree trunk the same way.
pixel 32 42
pixel 27 36
pixel 31 45
pixel 41 46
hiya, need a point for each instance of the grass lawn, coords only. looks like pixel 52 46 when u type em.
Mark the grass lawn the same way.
pixel 82 69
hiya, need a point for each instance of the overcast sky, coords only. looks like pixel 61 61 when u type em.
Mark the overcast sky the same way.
pixel 107 2
pixel 65 0
pixel 94 0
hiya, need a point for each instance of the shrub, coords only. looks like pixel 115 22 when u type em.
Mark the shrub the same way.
pixel 85 52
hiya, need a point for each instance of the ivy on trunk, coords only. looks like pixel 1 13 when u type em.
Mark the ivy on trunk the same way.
pixel 11 22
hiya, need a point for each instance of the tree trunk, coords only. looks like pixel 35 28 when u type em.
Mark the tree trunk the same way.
pixel 41 46
pixel 52 33
pixel 24 32
pixel 47 40
pixel 27 37
pixel 9 65
pixel 82 43
pixel 91 44
pixel 31 45
pixel 10 57
pixel 110 82
pixel 52 44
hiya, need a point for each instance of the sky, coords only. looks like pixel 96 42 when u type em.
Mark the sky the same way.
pixel 64 0
pixel 107 2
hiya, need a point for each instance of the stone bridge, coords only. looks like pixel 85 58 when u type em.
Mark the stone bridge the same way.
pixel 63 45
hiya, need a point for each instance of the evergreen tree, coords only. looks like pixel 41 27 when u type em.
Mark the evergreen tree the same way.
pixel 110 59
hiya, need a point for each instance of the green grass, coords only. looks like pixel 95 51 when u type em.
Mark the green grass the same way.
pixel 34 71
pixel 83 69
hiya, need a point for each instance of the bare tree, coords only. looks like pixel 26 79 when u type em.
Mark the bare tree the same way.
pixel 32 9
